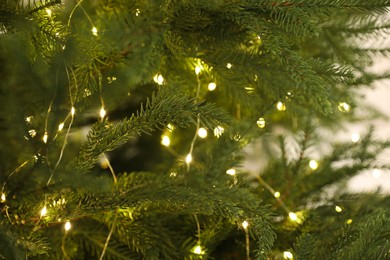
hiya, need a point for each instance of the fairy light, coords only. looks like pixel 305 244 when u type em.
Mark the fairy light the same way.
pixel 293 216
pixel 102 113
pixel 202 132
pixel 261 122
pixel 158 78
pixel 32 132
pixel 67 226
pixel 287 255
pixel 277 194
pixel 48 11
pixel 45 137
pixel 344 107
pixel 170 127
pixel 29 119
pixel 376 173
pixel 43 211
pixel 198 69
pixel 245 225
pixel 355 137
pixel 188 158
pixel 94 31
pixel 231 171
pixel 338 209
pixel 165 140
pixel 281 106
pixel 60 126
pixel 229 65
pixel 3 198
pixel 313 164
pixel 349 221
pixel 212 86
pixel 72 111
pixel 137 12
pixel 218 131
pixel 198 250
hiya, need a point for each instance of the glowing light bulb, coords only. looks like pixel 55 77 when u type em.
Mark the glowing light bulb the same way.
pixel 67 226
pixel 3 198
pixel 212 86
pixel 32 132
pixel 29 119
pixel 376 173
pixel 245 224
pixel 338 209
pixel 137 12
pixel 102 113
pixel 72 111
pixel 355 137
pixel 197 70
pixel 45 137
pixel 281 106
pixel 43 211
pixel 60 126
pixel 218 131
pixel 94 31
pixel 277 194
pixel 261 122
pixel 165 140
pixel 229 65
pixel 158 78
pixel 231 171
pixel 349 221
pixel 293 216
pixel 188 158
pixel 198 250
pixel 287 255
pixel 313 164
pixel 344 107
pixel 48 11
pixel 202 132
pixel 170 127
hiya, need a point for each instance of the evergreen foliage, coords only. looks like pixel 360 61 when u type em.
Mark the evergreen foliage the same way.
pixel 89 88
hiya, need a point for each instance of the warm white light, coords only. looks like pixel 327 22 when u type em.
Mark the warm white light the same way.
pixel 29 119
pixel 48 11
pixel 245 224
pixel 355 137
pixel 293 216
pixel 212 86
pixel 188 158
pixel 102 113
pixel 32 132
pixel 67 226
pixel 72 111
pixel 229 65
pixel 344 107
pixel 60 126
pixel 202 132
pixel 231 171
pixel 338 209
pixel 165 140
pixel 198 250
pixel 43 211
pixel 218 131
pixel 277 194
pixel 376 173
pixel 94 31
pixel 313 164
pixel 287 255
pixel 45 137
pixel 349 221
pixel 3 199
pixel 281 106
pixel 261 122
pixel 137 12
pixel 197 70
pixel 170 127
pixel 158 79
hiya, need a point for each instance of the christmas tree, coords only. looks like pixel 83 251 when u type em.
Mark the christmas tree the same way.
pixel 125 127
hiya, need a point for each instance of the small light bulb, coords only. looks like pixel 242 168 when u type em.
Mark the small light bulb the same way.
pixel 45 137
pixel 218 131
pixel 165 140
pixel 261 122
pixel 43 211
pixel 29 119
pixel 197 70
pixel 48 11
pixel 137 12
pixel 72 111
pixel 287 255
pixel 202 132
pixel 293 216
pixel 281 106
pixel 349 221
pixel 3 198
pixel 170 127
pixel 32 132
pixel 245 224
pixel 344 107
pixel 188 158
pixel 231 171
pixel 313 164
pixel 229 65
pixel 94 31
pixel 67 226
pixel 60 126
pixel 355 137
pixel 376 173
pixel 158 78
pixel 198 250
pixel 212 86
pixel 102 113
pixel 277 194
pixel 338 209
